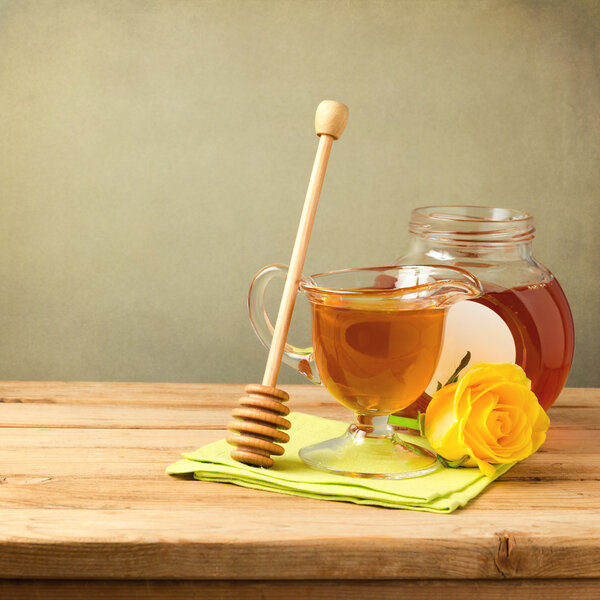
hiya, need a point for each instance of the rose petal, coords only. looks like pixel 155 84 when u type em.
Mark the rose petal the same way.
pixel 441 426
pixel 480 412
pixel 485 467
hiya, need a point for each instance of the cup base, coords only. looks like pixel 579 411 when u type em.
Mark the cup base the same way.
pixel 376 455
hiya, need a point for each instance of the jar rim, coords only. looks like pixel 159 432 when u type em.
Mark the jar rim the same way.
pixel 471 224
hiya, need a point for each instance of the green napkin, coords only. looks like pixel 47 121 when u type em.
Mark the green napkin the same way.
pixel 442 491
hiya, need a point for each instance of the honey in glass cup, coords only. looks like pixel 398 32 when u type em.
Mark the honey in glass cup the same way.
pixel 372 360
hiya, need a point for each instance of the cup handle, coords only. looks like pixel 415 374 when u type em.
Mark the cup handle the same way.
pixel 301 359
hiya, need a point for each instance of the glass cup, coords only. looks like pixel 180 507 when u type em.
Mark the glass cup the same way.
pixel 377 335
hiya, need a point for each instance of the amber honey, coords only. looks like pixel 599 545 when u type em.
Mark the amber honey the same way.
pixel 375 361
pixel 540 321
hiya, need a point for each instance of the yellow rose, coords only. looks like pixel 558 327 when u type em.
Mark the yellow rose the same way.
pixel 490 415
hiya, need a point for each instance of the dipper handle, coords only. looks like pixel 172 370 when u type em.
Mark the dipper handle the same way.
pixel 258 422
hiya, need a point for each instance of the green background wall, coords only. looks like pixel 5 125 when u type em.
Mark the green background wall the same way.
pixel 155 154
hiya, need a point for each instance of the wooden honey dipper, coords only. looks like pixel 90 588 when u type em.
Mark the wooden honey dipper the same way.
pixel 260 417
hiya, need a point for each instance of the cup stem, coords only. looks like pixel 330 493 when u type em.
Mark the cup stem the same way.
pixel 371 448
pixel 371 426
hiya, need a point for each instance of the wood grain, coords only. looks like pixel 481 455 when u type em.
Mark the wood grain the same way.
pixel 83 495
pixel 549 589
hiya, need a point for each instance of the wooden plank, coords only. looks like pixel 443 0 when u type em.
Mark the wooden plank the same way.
pixel 143 394
pixel 130 417
pixel 577 397
pixel 207 417
pixel 143 462
pixel 570 440
pixel 193 394
pixel 536 495
pixel 123 458
pixel 98 462
pixel 149 394
pixel 247 542
pixel 579 418
pixel 555 466
pixel 549 589
pixel 559 440
pixel 48 438
pixel 567 455
pixel 153 490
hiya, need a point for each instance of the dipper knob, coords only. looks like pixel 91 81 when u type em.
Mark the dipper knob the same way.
pixel 331 118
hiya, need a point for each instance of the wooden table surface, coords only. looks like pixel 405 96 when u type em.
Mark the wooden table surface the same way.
pixel 86 510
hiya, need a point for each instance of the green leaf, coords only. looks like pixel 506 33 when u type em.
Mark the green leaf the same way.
pixel 463 363
pixel 453 464
pixel 439 386
pixel 403 422
pixel 421 422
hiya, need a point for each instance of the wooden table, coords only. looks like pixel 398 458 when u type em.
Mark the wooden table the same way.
pixel 87 511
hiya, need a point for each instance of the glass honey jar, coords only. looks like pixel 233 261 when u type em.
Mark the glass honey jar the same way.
pixel 523 315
